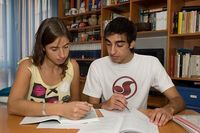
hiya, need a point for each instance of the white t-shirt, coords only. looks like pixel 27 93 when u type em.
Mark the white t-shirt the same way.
pixel 132 79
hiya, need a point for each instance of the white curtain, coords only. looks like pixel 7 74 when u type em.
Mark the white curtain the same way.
pixel 19 21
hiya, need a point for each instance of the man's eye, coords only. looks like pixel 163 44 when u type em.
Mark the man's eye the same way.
pixel 120 44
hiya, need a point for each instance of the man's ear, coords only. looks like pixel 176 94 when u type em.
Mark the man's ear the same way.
pixel 132 45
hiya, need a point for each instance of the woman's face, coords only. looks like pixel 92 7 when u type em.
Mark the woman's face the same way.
pixel 58 51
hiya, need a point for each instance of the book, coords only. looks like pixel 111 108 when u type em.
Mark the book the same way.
pixel 91 116
pixel 190 122
pixel 121 122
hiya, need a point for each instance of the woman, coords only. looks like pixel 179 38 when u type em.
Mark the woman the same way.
pixel 47 79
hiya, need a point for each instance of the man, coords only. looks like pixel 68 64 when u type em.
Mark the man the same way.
pixel 123 78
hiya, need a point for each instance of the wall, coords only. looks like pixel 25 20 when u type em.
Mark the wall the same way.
pixel 152 42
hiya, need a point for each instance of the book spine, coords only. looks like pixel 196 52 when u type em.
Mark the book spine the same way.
pixel 180 20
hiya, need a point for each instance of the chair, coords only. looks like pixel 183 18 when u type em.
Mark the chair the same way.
pixel 4 93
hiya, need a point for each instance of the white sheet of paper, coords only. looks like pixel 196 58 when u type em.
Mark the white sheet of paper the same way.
pixel 133 121
pixel 104 125
pixel 57 125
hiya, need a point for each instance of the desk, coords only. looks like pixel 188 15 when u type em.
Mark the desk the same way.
pixel 10 124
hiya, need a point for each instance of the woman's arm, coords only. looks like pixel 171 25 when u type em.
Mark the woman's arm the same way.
pixel 75 85
pixel 19 105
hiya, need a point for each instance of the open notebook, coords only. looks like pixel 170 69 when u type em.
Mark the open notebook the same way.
pixel 91 116
pixel 121 122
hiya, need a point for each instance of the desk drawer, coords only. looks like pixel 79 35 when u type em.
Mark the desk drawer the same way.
pixel 191 95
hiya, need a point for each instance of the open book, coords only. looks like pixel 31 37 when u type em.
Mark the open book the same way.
pixel 190 122
pixel 91 116
pixel 121 122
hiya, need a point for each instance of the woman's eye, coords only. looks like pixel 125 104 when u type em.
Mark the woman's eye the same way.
pixel 54 49
pixel 66 47
pixel 108 44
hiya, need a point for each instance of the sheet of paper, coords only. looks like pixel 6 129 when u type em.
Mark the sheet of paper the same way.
pixel 57 125
pixel 134 121
pixel 90 117
pixel 30 120
pixel 104 125
pixel 123 113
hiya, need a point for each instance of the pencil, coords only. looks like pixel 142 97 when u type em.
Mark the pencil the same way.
pixel 127 107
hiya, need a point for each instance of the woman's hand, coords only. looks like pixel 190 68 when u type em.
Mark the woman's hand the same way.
pixel 75 110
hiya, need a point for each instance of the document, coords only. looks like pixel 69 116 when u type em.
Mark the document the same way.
pixel 190 122
pixel 91 116
pixel 121 122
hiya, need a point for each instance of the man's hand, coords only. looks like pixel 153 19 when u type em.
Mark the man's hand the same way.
pixel 160 116
pixel 116 102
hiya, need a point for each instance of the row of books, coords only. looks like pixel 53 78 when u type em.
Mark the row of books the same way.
pixel 187 20
pixel 157 17
pixel 112 2
pixel 87 4
pixel 186 64
pixel 86 51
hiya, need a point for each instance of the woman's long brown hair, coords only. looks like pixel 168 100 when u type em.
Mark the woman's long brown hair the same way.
pixel 49 30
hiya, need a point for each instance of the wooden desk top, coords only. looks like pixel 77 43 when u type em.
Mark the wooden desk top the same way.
pixel 10 124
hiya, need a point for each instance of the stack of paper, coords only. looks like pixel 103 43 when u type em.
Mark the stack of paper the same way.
pixel 190 122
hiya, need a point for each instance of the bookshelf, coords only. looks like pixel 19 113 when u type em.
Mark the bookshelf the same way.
pixel 188 86
pixel 185 40
pixel 132 10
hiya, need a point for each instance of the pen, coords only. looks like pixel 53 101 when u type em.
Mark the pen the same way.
pixel 127 107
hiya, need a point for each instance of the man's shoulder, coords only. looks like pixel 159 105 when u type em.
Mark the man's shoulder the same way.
pixel 101 60
pixel 146 57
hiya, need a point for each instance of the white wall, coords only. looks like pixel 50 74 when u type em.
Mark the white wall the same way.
pixel 152 42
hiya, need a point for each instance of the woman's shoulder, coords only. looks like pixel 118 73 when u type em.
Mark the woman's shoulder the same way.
pixel 26 62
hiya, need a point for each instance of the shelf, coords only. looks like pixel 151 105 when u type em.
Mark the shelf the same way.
pixel 88 42
pixel 186 35
pixel 151 3
pixel 85 28
pixel 120 7
pixel 70 17
pixel 186 79
pixel 151 33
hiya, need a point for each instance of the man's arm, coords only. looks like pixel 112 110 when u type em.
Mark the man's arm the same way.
pixel 176 102
pixel 161 116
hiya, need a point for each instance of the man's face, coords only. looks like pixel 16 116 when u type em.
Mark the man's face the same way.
pixel 118 48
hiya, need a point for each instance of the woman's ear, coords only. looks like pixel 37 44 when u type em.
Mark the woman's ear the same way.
pixel 132 45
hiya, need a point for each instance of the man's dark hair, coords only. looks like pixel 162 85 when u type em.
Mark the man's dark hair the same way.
pixel 121 25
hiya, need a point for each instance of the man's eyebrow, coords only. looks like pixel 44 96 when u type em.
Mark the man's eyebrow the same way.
pixel 120 41
pixel 107 40
pixel 116 41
